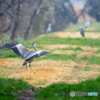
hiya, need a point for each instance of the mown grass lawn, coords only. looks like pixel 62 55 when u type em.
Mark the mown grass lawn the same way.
pixel 10 87
pixel 61 91
pixel 94 27
pixel 71 41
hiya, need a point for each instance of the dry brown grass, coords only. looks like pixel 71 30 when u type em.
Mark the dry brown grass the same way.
pixel 68 52
pixel 49 71
pixel 85 48
pixel 4 62
pixel 37 74
pixel 46 72
pixel 77 35
pixel 59 46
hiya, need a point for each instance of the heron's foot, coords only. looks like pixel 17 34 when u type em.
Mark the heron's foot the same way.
pixel 30 66
pixel 26 66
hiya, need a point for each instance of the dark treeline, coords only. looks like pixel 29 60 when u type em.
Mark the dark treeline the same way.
pixel 30 18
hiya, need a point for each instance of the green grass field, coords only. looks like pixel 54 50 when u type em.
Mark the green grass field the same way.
pixel 61 91
pixel 72 65
pixel 94 27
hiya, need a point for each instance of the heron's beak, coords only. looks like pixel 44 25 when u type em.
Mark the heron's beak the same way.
pixel 38 44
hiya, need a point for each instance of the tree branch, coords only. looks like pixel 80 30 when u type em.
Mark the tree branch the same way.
pixel 16 23
pixel 11 14
pixel 14 2
pixel 31 20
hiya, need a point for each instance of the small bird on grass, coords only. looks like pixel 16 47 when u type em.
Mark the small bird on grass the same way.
pixel 81 31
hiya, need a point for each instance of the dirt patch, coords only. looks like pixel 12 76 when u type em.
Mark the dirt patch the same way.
pixel 88 54
pixel 85 48
pixel 4 62
pixel 77 35
pixel 42 35
pixel 41 71
pixel 59 46
pixel 46 72
pixel 74 73
pixel 69 52
pixel 37 74
pixel 89 49
pixel 52 37
pixel 98 55
pixel 68 34
pixel 85 75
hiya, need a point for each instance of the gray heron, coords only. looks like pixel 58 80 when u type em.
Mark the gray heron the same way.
pixel 20 50
pixel 48 30
pixel 87 23
pixel 81 31
pixel 38 11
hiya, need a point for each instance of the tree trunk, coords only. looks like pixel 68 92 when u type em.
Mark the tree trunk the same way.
pixel 75 19
pixel 2 31
pixel 15 23
pixel 31 21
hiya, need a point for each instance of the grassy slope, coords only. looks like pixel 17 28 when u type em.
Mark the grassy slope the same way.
pixel 94 27
pixel 61 90
pixel 70 41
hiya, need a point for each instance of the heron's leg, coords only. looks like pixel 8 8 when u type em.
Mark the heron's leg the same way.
pixel 30 66
pixel 26 66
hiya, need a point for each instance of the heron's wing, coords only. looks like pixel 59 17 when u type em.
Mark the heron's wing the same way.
pixel 8 45
pixel 82 32
pixel 36 54
pixel 20 50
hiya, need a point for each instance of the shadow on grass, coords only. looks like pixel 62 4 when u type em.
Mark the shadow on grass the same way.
pixel 9 88
pixel 61 91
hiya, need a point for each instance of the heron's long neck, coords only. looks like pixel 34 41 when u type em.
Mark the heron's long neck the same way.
pixel 34 47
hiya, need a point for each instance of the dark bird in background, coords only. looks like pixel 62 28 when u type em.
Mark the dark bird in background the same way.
pixel 48 29
pixel 20 50
pixel 8 45
pixel 87 23
pixel 81 31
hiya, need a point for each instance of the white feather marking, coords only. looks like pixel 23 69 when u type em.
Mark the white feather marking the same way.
pixel 20 48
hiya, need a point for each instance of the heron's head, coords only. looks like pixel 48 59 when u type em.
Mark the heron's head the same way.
pixel 35 43
pixel 49 25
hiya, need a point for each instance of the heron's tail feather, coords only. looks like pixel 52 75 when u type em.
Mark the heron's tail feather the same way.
pixel 25 62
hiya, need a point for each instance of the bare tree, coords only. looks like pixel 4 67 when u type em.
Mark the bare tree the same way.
pixel 2 31
pixel 12 8
pixel 5 9
pixel 93 8
pixel 36 12
pixel 27 18
pixel 64 14
pixel 15 22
